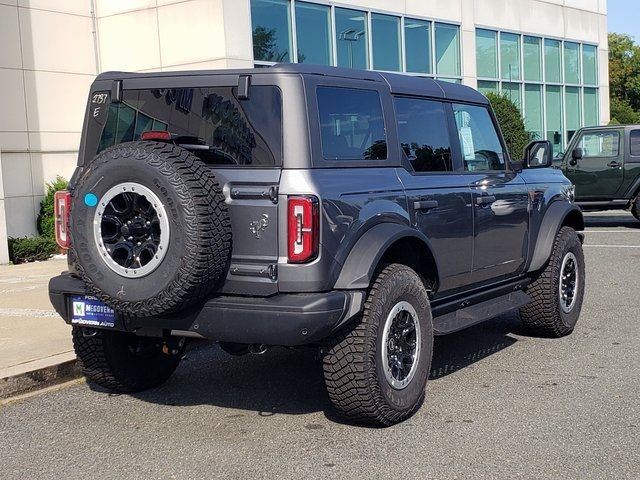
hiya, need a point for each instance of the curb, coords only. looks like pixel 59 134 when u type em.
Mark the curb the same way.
pixel 38 374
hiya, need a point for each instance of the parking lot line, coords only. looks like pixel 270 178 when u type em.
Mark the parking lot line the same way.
pixel 613 246
pixel 611 231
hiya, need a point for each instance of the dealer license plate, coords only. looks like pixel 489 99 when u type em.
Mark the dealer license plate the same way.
pixel 92 312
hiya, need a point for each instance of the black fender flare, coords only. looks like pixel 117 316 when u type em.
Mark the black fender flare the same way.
pixel 359 268
pixel 553 219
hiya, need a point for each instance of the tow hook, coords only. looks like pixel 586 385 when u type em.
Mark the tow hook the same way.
pixel 172 345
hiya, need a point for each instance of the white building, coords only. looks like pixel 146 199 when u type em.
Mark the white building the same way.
pixel 550 56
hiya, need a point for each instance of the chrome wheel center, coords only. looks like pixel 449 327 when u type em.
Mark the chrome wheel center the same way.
pixel 131 230
pixel 568 285
pixel 401 345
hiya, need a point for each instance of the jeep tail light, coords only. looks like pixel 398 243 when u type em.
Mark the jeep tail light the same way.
pixel 303 234
pixel 62 209
pixel 156 135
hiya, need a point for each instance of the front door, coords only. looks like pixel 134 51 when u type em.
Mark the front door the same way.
pixel 598 175
pixel 500 197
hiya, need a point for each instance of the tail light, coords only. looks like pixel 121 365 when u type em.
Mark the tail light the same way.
pixel 155 135
pixel 303 229
pixel 62 209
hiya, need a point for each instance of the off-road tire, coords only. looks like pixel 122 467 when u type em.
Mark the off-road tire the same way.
pixel 107 359
pixel 635 208
pixel 544 315
pixel 199 249
pixel 352 361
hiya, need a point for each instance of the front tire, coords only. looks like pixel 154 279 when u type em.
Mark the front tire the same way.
pixel 123 362
pixel 376 371
pixel 558 290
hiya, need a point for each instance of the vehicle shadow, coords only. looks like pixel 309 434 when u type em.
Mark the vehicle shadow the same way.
pixel 285 381
pixel 605 220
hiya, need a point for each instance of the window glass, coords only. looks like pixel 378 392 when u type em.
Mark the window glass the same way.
pixel 479 141
pixel 485 87
pixel 513 91
pixel 600 144
pixel 385 31
pixel 510 56
pixel 634 142
pixel 554 118
pixel 351 124
pixel 590 64
pixel 552 61
pixel 591 116
pixel 351 38
pixel 533 109
pixel 449 80
pixel 417 37
pixel 487 53
pixel 574 110
pixel 571 62
pixel 271 23
pixel 313 33
pixel 237 132
pixel 532 59
pixel 423 133
pixel 447 49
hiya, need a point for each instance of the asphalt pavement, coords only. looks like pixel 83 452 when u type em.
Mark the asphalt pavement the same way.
pixel 500 404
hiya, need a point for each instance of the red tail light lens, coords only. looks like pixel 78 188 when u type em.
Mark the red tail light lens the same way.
pixel 303 229
pixel 156 135
pixel 62 209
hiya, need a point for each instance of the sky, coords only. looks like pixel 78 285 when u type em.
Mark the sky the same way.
pixel 623 17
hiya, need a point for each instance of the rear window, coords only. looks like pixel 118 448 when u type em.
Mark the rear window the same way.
pixel 351 124
pixel 220 128
pixel 634 142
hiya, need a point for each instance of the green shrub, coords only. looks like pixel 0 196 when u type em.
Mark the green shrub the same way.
pixel 623 113
pixel 46 219
pixel 31 249
pixel 511 123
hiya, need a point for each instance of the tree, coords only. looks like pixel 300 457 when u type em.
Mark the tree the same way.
pixel 622 113
pixel 511 123
pixel 624 69
pixel 265 47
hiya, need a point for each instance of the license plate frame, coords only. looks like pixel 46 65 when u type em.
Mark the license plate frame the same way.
pixel 88 311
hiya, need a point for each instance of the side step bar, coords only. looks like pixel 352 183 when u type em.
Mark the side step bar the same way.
pixel 465 317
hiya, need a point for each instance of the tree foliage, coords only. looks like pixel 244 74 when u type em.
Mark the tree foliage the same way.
pixel 622 113
pixel 265 46
pixel 511 123
pixel 46 217
pixel 624 70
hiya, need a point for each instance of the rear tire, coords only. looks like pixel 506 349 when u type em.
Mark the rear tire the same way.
pixel 635 208
pixel 376 371
pixel 123 362
pixel 556 303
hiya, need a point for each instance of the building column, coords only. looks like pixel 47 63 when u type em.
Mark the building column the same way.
pixel 4 240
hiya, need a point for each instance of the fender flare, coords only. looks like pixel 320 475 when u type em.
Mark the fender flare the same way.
pixel 553 219
pixel 359 268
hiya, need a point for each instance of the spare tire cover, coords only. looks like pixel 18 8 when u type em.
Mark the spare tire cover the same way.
pixel 150 229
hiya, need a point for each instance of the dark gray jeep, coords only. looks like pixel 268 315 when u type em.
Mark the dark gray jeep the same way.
pixel 358 212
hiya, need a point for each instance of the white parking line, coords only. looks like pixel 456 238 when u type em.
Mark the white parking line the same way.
pixel 613 246
pixel 612 231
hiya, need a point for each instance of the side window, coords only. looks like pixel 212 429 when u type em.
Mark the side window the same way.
pixel 479 141
pixel 600 144
pixel 634 142
pixel 424 137
pixel 351 124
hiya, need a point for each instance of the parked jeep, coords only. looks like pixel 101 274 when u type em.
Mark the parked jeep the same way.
pixel 604 165
pixel 358 212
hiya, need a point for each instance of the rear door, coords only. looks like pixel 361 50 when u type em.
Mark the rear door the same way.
pixel 599 173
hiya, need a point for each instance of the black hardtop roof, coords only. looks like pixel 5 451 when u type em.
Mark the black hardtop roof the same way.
pixel 604 127
pixel 399 83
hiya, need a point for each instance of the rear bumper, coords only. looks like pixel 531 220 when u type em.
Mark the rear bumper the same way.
pixel 282 319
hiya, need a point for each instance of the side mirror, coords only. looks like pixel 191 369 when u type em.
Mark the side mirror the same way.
pixel 576 155
pixel 538 154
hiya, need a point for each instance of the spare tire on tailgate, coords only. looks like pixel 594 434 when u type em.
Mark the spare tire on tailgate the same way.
pixel 150 229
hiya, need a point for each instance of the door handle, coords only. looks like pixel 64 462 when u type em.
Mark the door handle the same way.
pixel 485 199
pixel 614 164
pixel 425 204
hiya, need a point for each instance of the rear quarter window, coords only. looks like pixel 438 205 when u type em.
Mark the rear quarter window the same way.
pixel 351 124
pixel 634 142
pixel 223 129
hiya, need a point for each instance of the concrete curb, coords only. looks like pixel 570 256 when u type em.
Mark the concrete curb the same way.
pixel 38 374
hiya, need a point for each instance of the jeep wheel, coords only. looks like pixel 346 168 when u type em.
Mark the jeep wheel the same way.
pixel 150 229
pixel 123 362
pixel 635 208
pixel 376 370
pixel 558 290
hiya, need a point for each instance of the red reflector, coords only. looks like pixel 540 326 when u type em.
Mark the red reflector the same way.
pixel 303 233
pixel 155 135
pixel 62 209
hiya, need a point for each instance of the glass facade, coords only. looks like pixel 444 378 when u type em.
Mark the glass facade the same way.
pixel 447 49
pixel 271 30
pixel 417 45
pixel 313 33
pixel 385 30
pixel 352 38
pixel 553 82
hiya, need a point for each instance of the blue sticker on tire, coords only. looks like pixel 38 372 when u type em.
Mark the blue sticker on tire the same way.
pixel 90 311
pixel 90 200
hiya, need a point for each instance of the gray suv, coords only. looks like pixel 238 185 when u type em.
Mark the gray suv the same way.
pixel 354 211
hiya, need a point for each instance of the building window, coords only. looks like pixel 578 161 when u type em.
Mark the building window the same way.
pixel 554 118
pixel 485 86
pixel 573 110
pixel 532 53
pixel 591 115
pixel 552 61
pixel 417 41
pixel 487 53
pixel 533 106
pixel 447 50
pixel 589 65
pixel 352 38
pixel 572 63
pixel 510 56
pixel 271 30
pixel 313 33
pixel 385 32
